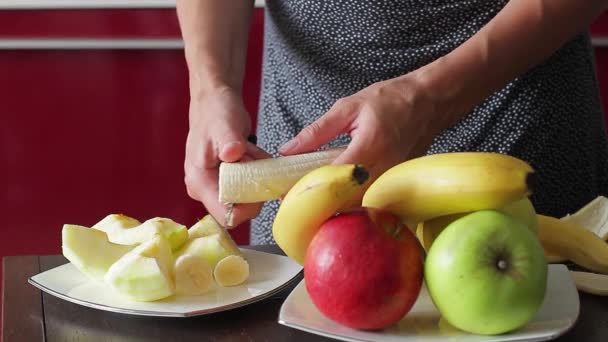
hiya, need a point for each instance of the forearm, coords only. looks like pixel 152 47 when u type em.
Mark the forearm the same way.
pixel 523 34
pixel 215 35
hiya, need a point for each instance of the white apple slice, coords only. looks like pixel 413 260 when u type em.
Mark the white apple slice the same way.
pixel 193 275
pixel 145 273
pixel 205 227
pixel 231 271
pixel 175 233
pixel 593 216
pixel 89 250
pixel 115 223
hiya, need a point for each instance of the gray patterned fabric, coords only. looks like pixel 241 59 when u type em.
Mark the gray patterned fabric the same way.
pixel 317 51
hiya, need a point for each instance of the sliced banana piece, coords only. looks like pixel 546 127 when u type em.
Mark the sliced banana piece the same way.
pixel 193 275
pixel 593 217
pixel 592 283
pixel 231 271
pixel 268 179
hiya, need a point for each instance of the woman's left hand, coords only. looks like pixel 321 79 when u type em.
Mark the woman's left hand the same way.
pixel 388 122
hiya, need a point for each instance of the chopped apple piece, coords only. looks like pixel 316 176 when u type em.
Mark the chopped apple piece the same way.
pixel 115 223
pixel 193 275
pixel 175 233
pixel 231 271
pixel 146 272
pixel 89 250
pixel 205 227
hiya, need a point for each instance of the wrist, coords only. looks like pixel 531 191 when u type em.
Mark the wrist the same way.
pixel 450 86
pixel 203 84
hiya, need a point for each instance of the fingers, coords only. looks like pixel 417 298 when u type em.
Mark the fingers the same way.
pixel 336 121
pixel 231 144
pixel 254 152
pixel 202 186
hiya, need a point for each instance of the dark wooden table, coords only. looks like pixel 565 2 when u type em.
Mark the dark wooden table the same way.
pixel 32 315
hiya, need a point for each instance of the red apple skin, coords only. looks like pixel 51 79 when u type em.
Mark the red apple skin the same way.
pixel 359 274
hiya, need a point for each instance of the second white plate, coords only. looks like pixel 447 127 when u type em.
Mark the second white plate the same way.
pixel 558 313
pixel 269 274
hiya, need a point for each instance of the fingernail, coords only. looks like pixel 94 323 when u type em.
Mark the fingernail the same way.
pixel 288 146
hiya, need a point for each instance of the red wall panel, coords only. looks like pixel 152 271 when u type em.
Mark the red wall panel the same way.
pixel 85 133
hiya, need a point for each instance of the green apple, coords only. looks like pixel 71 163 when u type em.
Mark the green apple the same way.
pixel 89 250
pixel 146 272
pixel 486 273
pixel 121 231
pixel 521 209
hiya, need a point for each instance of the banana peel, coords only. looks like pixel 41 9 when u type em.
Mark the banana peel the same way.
pixel 573 242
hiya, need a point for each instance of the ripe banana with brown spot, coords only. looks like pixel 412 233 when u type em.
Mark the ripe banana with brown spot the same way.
pixel 436 185
pixel 314 198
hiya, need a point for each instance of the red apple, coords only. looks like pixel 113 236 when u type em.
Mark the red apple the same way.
pixel 364 269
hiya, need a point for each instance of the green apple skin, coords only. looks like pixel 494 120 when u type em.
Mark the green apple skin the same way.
pixel 523 210
pixel 465 280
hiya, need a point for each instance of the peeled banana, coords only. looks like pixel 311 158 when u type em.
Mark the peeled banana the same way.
pixel 268 179
pixel 436 185
pixel 314 198
pixel 573 242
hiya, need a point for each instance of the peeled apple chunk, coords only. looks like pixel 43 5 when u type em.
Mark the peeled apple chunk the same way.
pixel 212 248
pixel 115 223
pixel 89 250
pixel 145 273
pixel 231 271
pixel 205 227
pixel 175 233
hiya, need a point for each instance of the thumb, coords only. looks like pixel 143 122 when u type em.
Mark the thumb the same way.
pixel 336 121
pixel 230 142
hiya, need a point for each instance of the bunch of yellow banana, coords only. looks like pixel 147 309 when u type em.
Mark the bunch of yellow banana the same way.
pixel 428 193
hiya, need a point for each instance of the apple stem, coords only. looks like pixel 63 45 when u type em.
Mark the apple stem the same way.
pixel 502 264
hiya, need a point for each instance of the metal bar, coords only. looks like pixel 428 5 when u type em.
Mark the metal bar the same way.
pixel 54 44
pixel 599 41
pixel 80 4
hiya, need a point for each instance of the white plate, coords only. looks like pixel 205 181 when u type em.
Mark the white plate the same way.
pixel 269 274
pixel 558 313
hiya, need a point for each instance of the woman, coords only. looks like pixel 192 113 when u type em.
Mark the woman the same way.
pixel 397 79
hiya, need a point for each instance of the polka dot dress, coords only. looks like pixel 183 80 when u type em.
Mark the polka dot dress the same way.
pixel 317 51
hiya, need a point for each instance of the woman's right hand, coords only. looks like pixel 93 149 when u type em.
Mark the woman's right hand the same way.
pixel 219 126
